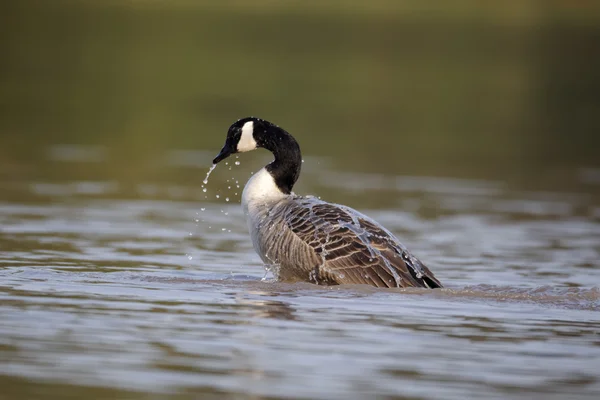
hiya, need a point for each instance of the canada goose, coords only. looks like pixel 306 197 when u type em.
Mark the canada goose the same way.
pixel 307 239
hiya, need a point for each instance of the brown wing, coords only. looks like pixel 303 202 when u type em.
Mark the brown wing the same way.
pixel 355 249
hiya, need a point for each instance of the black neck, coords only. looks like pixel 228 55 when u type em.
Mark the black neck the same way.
pixel 285 169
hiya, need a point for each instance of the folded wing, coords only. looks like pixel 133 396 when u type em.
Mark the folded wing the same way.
pixel 349 248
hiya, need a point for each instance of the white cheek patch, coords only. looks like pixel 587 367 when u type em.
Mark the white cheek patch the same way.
pixel 247 141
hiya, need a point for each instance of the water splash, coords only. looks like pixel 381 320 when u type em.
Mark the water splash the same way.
pixel 212 168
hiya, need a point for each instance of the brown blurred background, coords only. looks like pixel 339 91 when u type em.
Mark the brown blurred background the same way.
pixel 504 90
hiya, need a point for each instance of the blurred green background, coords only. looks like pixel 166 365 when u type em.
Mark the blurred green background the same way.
pixel 500 90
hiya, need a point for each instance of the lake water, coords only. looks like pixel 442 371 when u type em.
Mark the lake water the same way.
pixel 470 132
pixel 105 296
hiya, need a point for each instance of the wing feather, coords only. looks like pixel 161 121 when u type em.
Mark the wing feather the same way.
pixel 334 244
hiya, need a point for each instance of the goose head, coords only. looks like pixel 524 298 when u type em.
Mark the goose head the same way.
pixel 241 137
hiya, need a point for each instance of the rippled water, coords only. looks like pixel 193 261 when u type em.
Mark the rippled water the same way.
pixel 110 290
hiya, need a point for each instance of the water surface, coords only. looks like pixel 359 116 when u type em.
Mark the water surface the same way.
pixel 470 132
pixel 156 296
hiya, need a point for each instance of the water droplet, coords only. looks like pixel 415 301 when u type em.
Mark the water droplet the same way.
pixel 217 196
pixel 237 163
pixel 228 187
pixel 197 220
pixel 202 209
pixel 204 190
pixel 189 257
pixel 205 181
pixel 226 198
pixel 223 229
pixel 191 234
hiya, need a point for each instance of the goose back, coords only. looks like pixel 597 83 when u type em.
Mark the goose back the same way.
pixel 304 238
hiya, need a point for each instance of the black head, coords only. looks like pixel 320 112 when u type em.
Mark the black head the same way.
pixel 251 133
pixel 240 137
